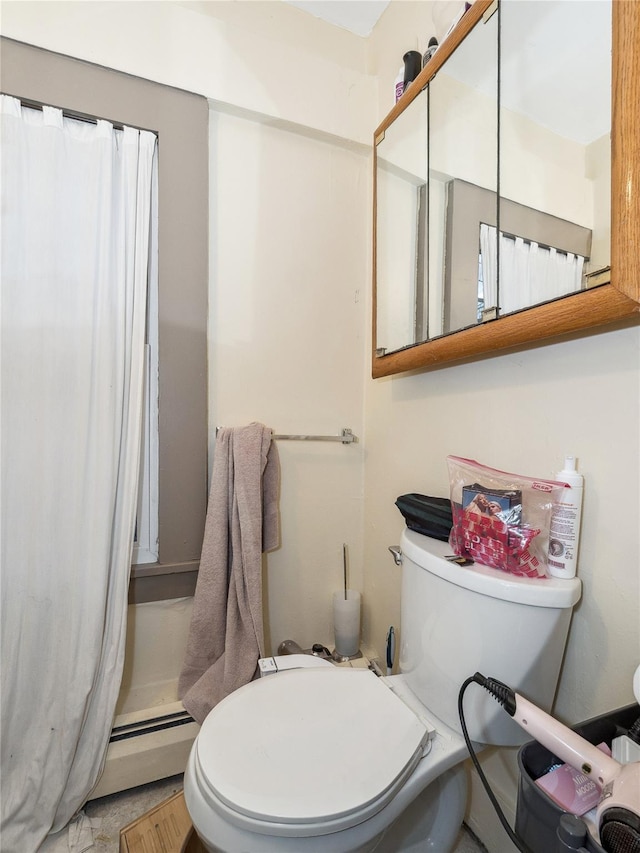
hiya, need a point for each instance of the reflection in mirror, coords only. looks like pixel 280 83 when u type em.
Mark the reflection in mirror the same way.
pixel 401 200
pixel 565 202
pixel 463 177
pixel 555 161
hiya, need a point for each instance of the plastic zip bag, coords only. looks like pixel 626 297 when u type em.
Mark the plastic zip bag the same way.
pixel 500 519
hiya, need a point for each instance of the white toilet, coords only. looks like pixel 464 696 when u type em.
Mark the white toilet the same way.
pixel 323 759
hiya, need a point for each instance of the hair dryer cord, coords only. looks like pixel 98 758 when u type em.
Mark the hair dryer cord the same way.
pixel 479 679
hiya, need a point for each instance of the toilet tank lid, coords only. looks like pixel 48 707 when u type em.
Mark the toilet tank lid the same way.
pixel 539 592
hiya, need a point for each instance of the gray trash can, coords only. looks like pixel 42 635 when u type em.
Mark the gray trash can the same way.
pixel 538 817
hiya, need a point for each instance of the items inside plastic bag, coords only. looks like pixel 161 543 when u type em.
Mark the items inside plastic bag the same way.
pixel 500 519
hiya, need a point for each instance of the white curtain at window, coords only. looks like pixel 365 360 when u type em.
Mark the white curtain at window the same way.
pixel 489 253
pixel 76 201
pixel 529 273
pixel 518 270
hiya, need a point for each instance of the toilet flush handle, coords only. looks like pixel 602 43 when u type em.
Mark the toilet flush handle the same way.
pixel 397 554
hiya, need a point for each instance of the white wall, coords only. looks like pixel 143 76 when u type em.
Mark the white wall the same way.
pixel 261 55
pixel 155 648
pixel 523 412
pixel 545 171
pixel 598 166
pixel 289 226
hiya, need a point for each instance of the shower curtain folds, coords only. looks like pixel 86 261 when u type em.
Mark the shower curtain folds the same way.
pixel 77 200
pixel 530 273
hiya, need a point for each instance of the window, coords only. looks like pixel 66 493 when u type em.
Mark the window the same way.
pixel 181 121
pixel 145 542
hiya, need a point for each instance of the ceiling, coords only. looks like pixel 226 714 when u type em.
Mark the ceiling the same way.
pixel 357 16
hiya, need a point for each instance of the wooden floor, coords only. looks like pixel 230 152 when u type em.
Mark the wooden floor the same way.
pixel 166 828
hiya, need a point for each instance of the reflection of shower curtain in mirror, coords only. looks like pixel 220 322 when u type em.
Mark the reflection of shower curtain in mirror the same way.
pixel 489 257
pixel 529 273
pixel 77 202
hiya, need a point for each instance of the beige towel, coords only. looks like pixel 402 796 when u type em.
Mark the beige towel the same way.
pixel 226 635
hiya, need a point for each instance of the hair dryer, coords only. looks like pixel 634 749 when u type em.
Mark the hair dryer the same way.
pixel 618 813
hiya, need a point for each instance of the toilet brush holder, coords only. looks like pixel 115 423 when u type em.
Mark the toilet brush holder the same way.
pixel 346 625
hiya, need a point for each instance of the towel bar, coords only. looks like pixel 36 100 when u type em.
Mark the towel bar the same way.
pixel 345 437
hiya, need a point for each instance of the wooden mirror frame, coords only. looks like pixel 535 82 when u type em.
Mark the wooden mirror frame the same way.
pixel 586 309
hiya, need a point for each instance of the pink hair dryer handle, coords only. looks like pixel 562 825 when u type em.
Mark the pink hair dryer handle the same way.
pixel 565 743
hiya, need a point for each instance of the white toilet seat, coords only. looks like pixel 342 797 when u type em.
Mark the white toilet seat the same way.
pixel 256 763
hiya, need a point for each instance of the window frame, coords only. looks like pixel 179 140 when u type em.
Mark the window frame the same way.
pixel 181 121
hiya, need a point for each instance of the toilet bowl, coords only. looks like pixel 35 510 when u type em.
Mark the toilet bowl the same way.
pixel 328 760
pixel 284 781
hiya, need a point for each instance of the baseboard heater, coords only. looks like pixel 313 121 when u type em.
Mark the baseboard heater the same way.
pixel 145 746
pixel 153 724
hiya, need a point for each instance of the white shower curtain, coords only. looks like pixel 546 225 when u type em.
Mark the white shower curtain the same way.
pixel 76 204
pixel 529 273
pixel 489 253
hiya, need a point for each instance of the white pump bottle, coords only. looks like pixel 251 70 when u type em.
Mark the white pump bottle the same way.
pixel 564 535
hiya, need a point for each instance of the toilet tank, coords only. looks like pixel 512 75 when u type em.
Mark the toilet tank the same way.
pixel 458 620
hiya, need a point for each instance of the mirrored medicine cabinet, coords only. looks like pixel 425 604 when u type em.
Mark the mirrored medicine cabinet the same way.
pixel 506 197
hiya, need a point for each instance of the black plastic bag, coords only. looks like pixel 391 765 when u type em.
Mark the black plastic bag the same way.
pixel 427 515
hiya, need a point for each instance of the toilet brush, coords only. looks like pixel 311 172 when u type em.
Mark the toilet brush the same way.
pixel 344 563
pixel 346 618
